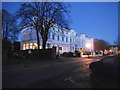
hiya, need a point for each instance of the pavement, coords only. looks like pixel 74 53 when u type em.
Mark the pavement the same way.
pixel 72 72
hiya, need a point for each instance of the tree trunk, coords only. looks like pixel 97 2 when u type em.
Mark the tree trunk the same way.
pixel 6 34
pixel 44 43
pixel 38 40
pixel 3 33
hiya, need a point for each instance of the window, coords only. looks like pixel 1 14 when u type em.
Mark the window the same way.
pixel 62 38
pixel 58 38
pixel 49 35
pixel 53 36
pixel 48 45
pixel 27 46
pixel 53 28
pixel 40 47
pixel 23 46
pixel 73 47
pixel 73 39
pixel 35 46
pixel 66 39
pixel 52 45
pixel 70 40
pixel 26 33
pixel 31 45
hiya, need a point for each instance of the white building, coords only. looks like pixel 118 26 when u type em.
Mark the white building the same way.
pixel 84 43
pixel 64 40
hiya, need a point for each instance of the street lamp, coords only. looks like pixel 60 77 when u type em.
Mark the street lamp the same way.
pixel 88 46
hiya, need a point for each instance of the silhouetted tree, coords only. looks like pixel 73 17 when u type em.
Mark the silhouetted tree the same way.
pixel 100 44
pixel 42 16
pixel 9 26
pixel 117 42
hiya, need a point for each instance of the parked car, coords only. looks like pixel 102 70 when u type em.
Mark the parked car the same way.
pixel 98 80
pixel 109 66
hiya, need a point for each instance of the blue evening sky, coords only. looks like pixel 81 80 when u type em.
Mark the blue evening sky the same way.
pixel 94 19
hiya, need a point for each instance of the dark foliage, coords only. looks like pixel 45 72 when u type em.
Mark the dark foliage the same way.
pixel 6 44
pixel 100 45
pixel 16 46
pixel 9 26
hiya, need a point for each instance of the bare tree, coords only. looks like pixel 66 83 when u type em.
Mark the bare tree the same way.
pixel 100 45
pixel 117 42
pixel 42 16
pixel 9 26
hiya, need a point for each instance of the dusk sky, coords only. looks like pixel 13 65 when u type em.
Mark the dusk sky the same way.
pixel 94 19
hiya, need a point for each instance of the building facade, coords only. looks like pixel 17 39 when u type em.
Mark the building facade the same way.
pixel 63 39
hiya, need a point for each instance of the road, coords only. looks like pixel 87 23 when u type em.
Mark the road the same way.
pixel 72 72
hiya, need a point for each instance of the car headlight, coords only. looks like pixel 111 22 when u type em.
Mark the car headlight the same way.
pixel 98 60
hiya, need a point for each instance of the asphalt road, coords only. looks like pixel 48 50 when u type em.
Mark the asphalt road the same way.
pixel 64 73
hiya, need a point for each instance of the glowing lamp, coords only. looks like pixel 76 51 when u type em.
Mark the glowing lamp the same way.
pixel 52 45
pixel 74 54
pixel 88 45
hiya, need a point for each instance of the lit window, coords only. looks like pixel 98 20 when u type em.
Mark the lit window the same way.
pixel 62 48
pixel 23 46
pixel 31 45
pixel 66 49
pixel 26 33
pixel 27 46
pixel 35 46
pixel 40 47
pixel 52 45
pixel 46 47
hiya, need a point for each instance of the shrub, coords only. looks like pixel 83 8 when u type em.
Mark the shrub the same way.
pixel 6 44
pixel 85 52
pixel 68 54
pixel 65 53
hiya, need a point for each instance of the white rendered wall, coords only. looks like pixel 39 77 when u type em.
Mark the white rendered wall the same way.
pixel 74 41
